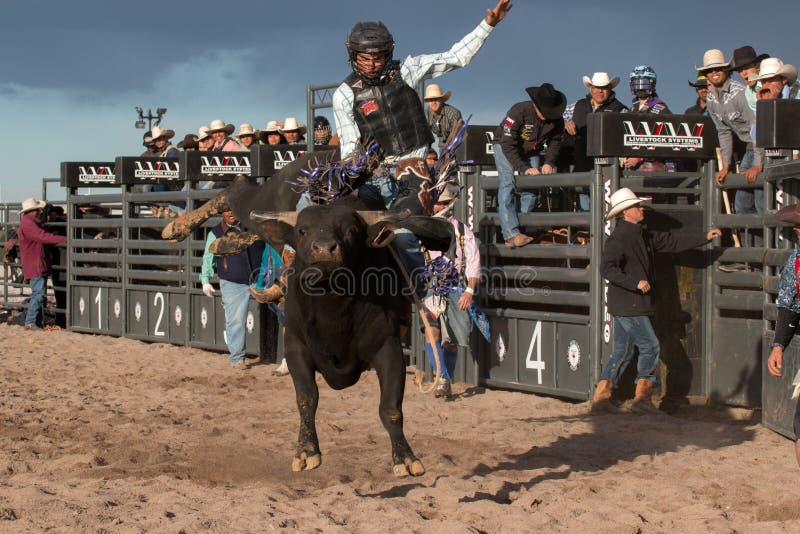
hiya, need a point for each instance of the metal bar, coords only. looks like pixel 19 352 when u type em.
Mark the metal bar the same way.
pixel 490 182
pixel 539 274
pixel 543 219
pixel 541 296
pixel 537 251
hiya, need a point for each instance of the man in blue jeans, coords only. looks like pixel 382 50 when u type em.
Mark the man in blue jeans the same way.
pixel 520 142
pixel 628 265
pixel 235 273
pixel 35 257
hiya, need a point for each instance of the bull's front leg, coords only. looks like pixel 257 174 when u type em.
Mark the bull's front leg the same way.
pixel 307 455
pixel 389 364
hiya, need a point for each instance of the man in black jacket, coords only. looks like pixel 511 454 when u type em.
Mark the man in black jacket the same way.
pixel 628 265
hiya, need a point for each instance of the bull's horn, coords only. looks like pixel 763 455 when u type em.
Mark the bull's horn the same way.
pixel 375 217
pixel 287 217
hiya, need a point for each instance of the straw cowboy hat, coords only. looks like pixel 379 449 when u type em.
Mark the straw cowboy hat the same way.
pixel 713 59
pixel 202 133
pixel 600 79
pixel 30 204
pixel 700 81
pixel 189 141
pixel 434 92
pixel 549 101
pixel 272 127
pixel 621 200
pixel 290 125
pixel 745 56
pixel 158 132
pixel 218 125
pixel 246 129
pixel 773 66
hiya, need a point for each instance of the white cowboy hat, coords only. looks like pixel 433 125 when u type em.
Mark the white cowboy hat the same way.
pixel 290 125
pixel 434 92
pixel 30 204
pixel 600 79
pixel 773 66
pixel 158 132
pixel 713 59
pixel 272 127
pixel 246 129
pixel 218 125
pixel 202 133
pixel 621 200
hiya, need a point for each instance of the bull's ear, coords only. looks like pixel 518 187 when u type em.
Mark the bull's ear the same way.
pixel 434 233
pixel 276 228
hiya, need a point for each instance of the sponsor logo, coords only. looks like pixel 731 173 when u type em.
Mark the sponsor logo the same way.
pixel 489 142
pixel 368 106
pixel 607 231
pixel 95 175
pixel 225 165
pixel 501 348
pixel 574 355
pixel 158 170
pixel 662 134
pixel 282 159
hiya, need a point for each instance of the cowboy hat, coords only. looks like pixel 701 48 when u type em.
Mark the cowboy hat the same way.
pixel 218 125
pixel 713 59
pixel 551 103
pixel 246 129
pixel 600 79
pixel 745 56
pixel 773 66
pixel 30 204
pixel 700 81
pixel 434 92
pixel 158 132
pixel 189 141
pixel 789 214
pixel 202 133
pixel 290 125
pixel 272 127
pixel 621 200
pixel 147 139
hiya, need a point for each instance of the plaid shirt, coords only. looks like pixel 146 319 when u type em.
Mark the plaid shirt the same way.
pixel 412 70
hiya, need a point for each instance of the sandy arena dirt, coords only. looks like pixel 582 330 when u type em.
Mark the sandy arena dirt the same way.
pixel 99 434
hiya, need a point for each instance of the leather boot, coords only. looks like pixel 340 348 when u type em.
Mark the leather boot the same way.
pixel 601 402
pixel 643 400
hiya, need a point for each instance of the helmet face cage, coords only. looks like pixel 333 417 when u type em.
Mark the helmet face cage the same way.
pixel 322 130
pixel 643 81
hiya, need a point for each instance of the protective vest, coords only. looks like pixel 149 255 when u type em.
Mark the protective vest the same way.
pixel 391 112
pixel 239 268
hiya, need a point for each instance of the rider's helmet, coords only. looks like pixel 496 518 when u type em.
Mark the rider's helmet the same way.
pixel 322 130
pixel 643 81
pixel 371 38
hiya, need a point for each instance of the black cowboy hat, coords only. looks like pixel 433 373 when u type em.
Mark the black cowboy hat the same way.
pixel 745 56
pixel 789 214
pixel 189 141
pixel 549 101
pixel 701 81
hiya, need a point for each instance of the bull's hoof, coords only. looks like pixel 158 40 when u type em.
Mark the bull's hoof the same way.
pixel 232 244
pixel 305 462
pixel 176 230
pixel 410 467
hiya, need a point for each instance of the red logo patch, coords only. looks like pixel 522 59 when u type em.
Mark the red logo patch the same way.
pixel 368 107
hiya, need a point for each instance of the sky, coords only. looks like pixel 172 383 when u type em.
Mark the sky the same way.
pixel 73 72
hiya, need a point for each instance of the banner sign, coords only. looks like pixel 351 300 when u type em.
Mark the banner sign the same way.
pixel 197 166
pixel 147 170
pixel 777 123
pixel 649 135
pixel 88 174
pixel 478 145
pixel 268 159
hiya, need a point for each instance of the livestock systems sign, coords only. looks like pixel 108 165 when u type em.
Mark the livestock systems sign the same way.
pixel 196 166
pixel 777 123
pixel 478 145
pixel 647 135
pixel 266 160
pixel 147 170
pixel 89 174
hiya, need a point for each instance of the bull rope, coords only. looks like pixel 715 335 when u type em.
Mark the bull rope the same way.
pixel 424 316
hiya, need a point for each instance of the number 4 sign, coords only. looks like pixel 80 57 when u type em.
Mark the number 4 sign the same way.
pixel 538 363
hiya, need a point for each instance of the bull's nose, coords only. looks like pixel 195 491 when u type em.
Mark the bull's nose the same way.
pixel 325 248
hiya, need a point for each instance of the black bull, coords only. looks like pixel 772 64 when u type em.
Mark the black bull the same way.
pixel 343 299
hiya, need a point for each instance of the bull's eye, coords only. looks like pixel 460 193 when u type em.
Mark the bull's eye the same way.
pixel 301 231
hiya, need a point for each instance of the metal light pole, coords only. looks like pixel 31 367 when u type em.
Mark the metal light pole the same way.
pixel 150 118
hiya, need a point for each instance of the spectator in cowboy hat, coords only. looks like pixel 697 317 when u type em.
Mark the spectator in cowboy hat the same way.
pixel 161 139
pixel 246 135
pixel 220 133
pixel 745 61
pixel 189 143
pixel 601 99
pixel 776 79
pixel 441 117
pixel 147 143
pixel 519 146
pixel 293 132
pixel 36 260
pixel 204 139
pixel 271 134
pixel 700 85
pixel 628 265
